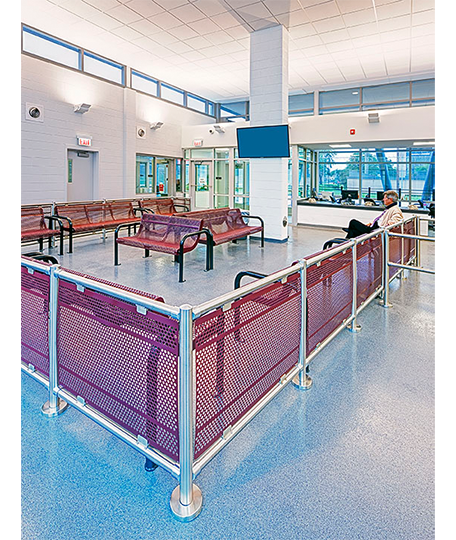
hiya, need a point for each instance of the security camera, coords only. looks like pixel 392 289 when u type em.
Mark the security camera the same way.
pixel 211 131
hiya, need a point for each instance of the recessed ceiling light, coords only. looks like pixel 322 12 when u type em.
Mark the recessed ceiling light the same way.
pixel 424 143
pixel 340 145
pixel 355 93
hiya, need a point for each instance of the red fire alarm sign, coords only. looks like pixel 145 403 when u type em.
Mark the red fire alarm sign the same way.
pixel 352 132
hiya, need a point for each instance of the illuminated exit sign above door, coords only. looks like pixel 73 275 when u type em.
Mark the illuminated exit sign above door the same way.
pixel 84 141
pixel 198 142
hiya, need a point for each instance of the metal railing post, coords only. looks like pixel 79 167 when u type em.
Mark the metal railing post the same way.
pixel 55 405
pixel 401 273
pixel 418 245
pixel 354 326
pixel 186 499
pixel 385 277
pixel 302 380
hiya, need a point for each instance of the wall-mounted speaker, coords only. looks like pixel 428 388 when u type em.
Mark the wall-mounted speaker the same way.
pixel 34 112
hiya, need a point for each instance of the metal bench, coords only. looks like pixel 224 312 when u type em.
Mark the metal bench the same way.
pixel 96 216
pixel 167 234
pixel 227 224
pixel 163 206
pixel 34 226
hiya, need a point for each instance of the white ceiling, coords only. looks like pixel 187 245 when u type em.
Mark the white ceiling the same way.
pixel 203 45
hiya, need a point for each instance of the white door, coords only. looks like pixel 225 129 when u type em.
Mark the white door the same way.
pixel 202 191
pixel 80 175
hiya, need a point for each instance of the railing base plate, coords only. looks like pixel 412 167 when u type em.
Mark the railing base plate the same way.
pixel 50 412
pixel 306 385
pixel 190 512
pixel 355 328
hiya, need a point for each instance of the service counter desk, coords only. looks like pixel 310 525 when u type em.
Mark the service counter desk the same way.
pixel 334 215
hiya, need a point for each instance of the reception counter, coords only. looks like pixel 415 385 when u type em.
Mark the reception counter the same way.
pixel 334 215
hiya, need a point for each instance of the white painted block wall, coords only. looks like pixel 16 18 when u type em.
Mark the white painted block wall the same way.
pixel 111 122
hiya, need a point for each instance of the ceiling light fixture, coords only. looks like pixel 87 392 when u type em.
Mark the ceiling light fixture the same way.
pixel 340 145
pixel 424 143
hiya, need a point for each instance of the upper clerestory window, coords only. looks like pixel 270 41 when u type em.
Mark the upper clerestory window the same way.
pixel 106 69
pixel 53 49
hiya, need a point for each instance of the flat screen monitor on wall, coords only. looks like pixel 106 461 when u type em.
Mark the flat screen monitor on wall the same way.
pixel 263 142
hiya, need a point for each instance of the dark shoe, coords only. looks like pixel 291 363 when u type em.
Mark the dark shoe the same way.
pixel 345 229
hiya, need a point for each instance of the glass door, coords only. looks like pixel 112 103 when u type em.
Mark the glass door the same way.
pixel 162 176
pixel 202 186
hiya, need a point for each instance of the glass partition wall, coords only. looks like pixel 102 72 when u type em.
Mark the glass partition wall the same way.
pixel 370 171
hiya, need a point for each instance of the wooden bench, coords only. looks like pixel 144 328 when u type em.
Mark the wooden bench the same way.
pixel 96 216
pixel 167 234
pixel 163 206
pixel 227 224
pixel 34 226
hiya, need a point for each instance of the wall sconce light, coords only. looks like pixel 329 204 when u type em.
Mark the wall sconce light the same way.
pixel 82 108
pixel 373 118
pixel 219 129
pixel 156 125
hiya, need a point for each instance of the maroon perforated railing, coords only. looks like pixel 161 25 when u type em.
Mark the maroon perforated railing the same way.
pixel 121 362
pixel 241 354
pixel 34 319
pixel 369 267
pixel 329 297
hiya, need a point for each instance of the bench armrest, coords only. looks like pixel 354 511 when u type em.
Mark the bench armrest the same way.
pixel 248 216
pixel 237 279
pixel 70 223
pixel 55 218
pixel 183 206
pixel 147 210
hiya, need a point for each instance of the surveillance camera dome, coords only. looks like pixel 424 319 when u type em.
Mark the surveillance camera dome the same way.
pixel 211 131
pixel 34 112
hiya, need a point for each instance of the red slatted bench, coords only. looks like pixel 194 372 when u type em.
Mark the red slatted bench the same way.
pixel 163 206
pixel 34 226
pixel 167 234
pixel 227 224
pixel 95 216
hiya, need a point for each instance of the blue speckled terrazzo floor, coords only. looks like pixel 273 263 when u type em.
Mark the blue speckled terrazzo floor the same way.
pixel 351 459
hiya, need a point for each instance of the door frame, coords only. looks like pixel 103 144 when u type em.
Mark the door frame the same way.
pixel 95 169
pixel 192 183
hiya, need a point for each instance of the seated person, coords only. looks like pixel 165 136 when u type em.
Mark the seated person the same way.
pixel 390 216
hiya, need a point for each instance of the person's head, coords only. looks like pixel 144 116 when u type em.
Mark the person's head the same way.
pixel 389 197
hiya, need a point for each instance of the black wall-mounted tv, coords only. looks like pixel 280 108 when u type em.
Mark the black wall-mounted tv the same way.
pixel 263 142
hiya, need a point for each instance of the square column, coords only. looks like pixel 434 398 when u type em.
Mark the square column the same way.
pixel 269 106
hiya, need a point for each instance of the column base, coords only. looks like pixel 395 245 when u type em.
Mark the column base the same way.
pixel 50 412
pixel 186 512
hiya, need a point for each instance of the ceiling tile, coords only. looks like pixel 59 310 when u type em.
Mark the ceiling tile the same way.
pixel 310 41
pixel 124 14
pixel 294 18
pixel 193 55
pixel 209 7
pixel 146 8
pixel 423 17
pixel 357 18
pixel 238 32
pixel 423 5
pixel 170 4
pixel 395 35
pixel 146 27
pixel 260 24
pixel 127 33
pixel 395 23
pixel 302 30
pixel 363 30
pixel 179 47
pixel 103 5
pixel 254 11
pixel 348 6
pixel 211 52
pixel 204 26
pixel 164 38
pixel 277 7
pixel 336 35
pixel 395 9
pixel 226 20
pixel 217 38
pixel 183 32
pixel 166 20
pixel 315 51
pixel 322 11
pixel 198 42
pixel 240 3
pixel 327 25
pixel 423 30
pixel 187 13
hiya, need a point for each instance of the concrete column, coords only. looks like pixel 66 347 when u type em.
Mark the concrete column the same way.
pixel 269 106
pixel 129 143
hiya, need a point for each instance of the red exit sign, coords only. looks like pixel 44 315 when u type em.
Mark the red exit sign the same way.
pixel 84 141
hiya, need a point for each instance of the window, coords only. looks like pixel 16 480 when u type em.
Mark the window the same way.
pixel 386 94
pixel 101 67
pixel 339 101
pixel 234 110
pixel 144 84
pixel 423 92
pixel 172 94
pixel 301 105
pixel 337 171
pixel 53 49
pixel 196 103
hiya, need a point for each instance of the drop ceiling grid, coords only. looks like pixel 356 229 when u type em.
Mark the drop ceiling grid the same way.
pixel 338 41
